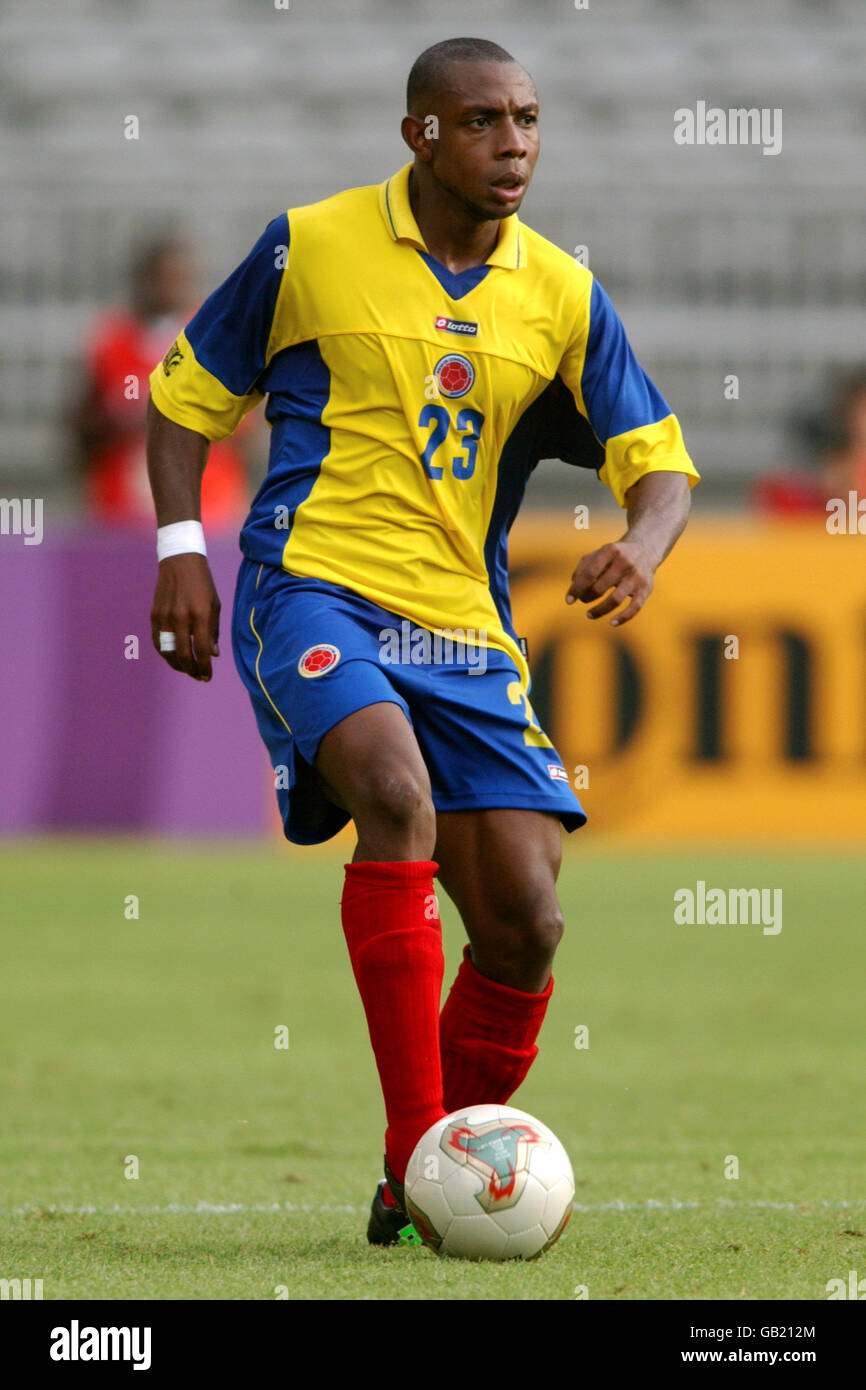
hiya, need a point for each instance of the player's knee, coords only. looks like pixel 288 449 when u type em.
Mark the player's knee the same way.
pixel 541 932
pixel 398 801
pixel 517 943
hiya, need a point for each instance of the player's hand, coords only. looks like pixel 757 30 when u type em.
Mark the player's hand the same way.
pixel 186 603
pixel 615 572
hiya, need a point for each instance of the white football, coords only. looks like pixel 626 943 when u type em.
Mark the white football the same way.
pixel 489 1183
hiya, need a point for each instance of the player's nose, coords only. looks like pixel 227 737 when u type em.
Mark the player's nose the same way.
pixel 513 143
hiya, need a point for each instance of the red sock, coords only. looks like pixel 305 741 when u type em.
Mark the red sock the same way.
pixel 487 1035
pixel 394 936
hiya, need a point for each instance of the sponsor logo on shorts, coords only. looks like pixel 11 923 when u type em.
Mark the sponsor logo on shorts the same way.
pixel 319 659
pixel 558 773
pixel 455 374
pixel 464 326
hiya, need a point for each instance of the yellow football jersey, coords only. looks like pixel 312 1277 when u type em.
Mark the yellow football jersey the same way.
pixel 393 386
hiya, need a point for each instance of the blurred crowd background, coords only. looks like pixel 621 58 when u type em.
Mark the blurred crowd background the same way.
pixel 145 144
pixel 720 260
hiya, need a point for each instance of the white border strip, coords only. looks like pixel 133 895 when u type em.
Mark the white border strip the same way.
pixel 232 1208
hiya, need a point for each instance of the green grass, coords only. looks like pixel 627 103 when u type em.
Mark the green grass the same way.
pixel 155 1038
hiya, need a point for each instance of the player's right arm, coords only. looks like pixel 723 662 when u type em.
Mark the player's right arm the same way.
pixel 199 393
pixel 185 601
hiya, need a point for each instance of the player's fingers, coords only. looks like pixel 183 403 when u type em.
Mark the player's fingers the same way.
pixel 630 612
pixel 164 639
pixel 203 644
pixel 171 637
pixel 590 578
pixel 632 585
pixel 184 656
pixel 616 596
pixel 171 660
pixel 635 588
pixel 592 565
pixel 616 573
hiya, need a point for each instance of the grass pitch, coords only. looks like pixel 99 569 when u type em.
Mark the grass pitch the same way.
pixel 148 1042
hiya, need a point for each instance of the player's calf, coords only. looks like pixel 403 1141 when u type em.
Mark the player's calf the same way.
pixel 389 914
pixel 489 1026
pixel 518 945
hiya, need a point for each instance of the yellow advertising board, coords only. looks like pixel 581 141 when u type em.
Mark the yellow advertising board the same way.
pixel 733 706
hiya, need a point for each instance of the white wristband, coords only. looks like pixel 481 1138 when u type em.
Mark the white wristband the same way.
pixel 180 538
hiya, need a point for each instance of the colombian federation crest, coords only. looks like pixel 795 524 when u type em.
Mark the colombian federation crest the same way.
pixel 499 1153
pixel 455 374
pixel 317 660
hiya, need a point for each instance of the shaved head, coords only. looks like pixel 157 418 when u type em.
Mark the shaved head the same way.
pixel 472 126
pixel 430 69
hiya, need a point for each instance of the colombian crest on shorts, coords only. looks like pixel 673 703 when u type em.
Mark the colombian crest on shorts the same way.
pixel 319 659
pixel 499 1153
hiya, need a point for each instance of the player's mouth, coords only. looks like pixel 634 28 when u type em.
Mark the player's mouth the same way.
pixel 510 187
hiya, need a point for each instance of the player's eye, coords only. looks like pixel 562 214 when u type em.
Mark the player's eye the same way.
pixel 480 121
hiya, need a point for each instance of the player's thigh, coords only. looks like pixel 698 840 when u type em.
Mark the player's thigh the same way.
pixel 314 658
pixel 500 869
pixel 372 763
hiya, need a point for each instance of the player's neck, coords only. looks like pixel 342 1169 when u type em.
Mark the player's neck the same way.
pixel 450 232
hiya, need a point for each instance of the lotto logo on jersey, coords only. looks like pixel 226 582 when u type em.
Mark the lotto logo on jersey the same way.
pixel 317 660
pixel 464 326
pixel 558 773
pixel 455 374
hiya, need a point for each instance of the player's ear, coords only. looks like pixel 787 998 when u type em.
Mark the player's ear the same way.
pixel 415 133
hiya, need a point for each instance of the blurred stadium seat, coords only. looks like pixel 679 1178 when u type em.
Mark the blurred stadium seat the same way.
pixel 719 260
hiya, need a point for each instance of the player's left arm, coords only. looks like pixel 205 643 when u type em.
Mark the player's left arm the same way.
pixel 657 508
pixel 646 465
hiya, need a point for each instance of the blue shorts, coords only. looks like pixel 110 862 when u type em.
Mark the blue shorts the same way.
pixel 310 653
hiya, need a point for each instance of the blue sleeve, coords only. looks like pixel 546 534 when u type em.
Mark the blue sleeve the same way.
pixel 229 334
pixel 616 390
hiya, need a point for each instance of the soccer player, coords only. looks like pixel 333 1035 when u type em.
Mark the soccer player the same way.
pixel 420 349
pixel 109 422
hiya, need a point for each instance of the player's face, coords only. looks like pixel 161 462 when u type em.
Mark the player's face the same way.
pixel 488 137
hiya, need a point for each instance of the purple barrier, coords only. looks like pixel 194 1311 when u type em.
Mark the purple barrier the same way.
pixel 90 740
